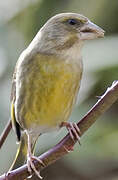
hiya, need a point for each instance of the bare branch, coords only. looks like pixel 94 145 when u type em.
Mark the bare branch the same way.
pixel 58 151
pixel 5 133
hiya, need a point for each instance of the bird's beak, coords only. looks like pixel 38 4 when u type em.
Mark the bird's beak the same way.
pixel 91 31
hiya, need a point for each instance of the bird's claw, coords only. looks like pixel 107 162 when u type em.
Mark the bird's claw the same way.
pixel 31 166
pixel 73 130
pixel 68 149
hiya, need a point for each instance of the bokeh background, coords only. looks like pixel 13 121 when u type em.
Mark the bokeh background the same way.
pixel 97 157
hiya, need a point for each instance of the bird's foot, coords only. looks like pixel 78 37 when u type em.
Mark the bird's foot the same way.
pixel 73 130
pixel 31 166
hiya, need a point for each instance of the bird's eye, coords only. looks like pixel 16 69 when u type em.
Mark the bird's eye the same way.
pixel 72 21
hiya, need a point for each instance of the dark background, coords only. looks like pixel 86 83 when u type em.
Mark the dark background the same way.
pixel 97 157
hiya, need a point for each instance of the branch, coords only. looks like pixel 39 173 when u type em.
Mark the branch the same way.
pixel 58 151
pixel 5 133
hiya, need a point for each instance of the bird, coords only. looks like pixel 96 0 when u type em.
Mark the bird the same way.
pixel 46 82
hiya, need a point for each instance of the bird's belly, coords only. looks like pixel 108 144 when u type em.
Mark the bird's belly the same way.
pixel 48 95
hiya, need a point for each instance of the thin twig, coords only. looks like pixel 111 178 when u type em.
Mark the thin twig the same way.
pixel 5 133
pixel 58 151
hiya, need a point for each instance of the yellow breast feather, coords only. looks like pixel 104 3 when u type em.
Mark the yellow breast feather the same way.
pixel 48 92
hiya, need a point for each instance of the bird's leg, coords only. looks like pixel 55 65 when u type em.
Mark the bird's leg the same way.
pixel 73 130
pixel 31 158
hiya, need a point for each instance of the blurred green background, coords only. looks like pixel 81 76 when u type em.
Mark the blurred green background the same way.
pixel 97 157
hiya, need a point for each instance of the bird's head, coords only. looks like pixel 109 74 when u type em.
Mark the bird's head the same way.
pixel 64 30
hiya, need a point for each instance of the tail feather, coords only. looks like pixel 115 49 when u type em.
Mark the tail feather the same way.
pixel 21 155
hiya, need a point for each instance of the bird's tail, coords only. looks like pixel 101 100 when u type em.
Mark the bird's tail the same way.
pixel 21 155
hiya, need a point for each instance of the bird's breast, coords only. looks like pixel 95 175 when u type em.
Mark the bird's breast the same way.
pixel 47 91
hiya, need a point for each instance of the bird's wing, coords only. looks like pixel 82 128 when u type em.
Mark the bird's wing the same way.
pixel 15 124
pixel 13 89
